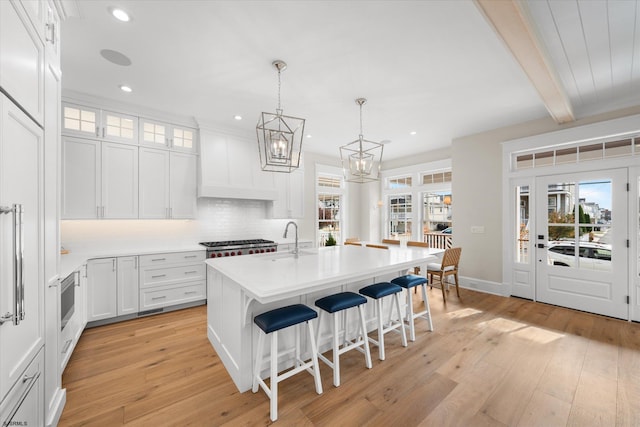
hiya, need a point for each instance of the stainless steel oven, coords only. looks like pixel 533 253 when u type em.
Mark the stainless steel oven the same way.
pixel 67 298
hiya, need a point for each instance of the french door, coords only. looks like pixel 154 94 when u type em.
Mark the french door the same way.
pixel 581 241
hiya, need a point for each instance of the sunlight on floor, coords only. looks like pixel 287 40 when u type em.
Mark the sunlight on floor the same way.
pixel 465 312
pixel 538 335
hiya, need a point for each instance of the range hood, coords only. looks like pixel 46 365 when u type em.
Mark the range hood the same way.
pixel 230 167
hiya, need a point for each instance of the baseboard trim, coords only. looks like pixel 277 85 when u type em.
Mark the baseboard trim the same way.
pixel 486 286
pixel 58 406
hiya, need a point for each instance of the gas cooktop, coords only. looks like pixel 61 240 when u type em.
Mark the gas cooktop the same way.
pixel 234 243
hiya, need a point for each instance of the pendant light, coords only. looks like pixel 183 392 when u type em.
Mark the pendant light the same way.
pixel 279 136
pixel 360 156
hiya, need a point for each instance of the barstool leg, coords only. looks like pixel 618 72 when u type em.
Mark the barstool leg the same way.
pixel 256 370
pixel 425 298
pixel 380 330
pixel 274 376
pixel 404 335
pixel 314 358
pixel 412 330
pixel 336 353
pixel 365 339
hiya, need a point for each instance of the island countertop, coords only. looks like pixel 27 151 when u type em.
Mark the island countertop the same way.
pixel 271 277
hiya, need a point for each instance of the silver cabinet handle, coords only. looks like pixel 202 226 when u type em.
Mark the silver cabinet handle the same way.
pixel 97 131
pixel 77 278
pixel 190 272
pixel 155 298
pixel 158 275
pixel 191 256
pixel 67 343
pixel 190 292
pixel 17 211
pixel 103 132
pixel 114 264
pixel 158 259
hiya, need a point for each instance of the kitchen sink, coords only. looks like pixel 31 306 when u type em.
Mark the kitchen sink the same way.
pixel 288 255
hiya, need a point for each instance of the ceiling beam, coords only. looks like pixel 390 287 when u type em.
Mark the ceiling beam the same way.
pixel 509 22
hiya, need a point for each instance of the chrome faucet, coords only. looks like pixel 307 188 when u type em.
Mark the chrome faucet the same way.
pixel 286 228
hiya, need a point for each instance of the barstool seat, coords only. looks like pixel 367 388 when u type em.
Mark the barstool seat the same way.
pixel 377 291
pixel 271 322
pixel 408 282
pixel 334 304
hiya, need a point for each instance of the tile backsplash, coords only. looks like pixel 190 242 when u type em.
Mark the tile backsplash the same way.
pixel 218 219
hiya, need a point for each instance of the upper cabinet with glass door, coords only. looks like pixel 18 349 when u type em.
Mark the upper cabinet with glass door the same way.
pixel 165 135
pixel 99 124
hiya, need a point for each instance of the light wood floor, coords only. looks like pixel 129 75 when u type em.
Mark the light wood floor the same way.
pixel 491 361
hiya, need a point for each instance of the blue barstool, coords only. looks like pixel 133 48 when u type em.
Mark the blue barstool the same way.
pixel 333 304
pixel 377 291
pixel 408 282
pixel 270 323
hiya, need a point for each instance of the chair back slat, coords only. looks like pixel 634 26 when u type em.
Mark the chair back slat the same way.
pixel 419 244
pixel 391 241
pixel 352 239
pixel 352 243
pixel 372 245
pixel 451 258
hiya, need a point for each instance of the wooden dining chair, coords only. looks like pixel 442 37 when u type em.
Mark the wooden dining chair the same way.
pixel 448 267
pixel 347 242
pixel 391 241
pixel 376 246
pixel 419 244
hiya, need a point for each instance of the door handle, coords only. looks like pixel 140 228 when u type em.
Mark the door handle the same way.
pixel 542 246
pixel 17 211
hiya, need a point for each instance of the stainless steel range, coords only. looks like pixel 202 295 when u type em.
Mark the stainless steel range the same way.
pixel 239 247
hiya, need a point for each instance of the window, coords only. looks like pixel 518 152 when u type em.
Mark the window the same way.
pixel 401 182
pixel 120 127
pixel 436 177
pixel 522 224
pixel 331 198
pixel 400 215
pixel 153 132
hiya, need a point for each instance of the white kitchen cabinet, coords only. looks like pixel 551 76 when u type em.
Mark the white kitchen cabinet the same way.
pixel 290 201
pixel 24 405
pixel 182 186
pixel 21 187
pixel 112 287
pixel 22 58
pixel 167 184
pixel 119 181
pixel 70 334
pixel 164 135
pixel 88 122
pixel 127 285
pixel 171 279
pixel 102 301
pixel 100 179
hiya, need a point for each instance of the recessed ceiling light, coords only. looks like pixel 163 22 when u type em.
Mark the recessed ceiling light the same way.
pixel 126 88
pixel 237 117
pixel 120 14
pixel 309 136
pixel 413 132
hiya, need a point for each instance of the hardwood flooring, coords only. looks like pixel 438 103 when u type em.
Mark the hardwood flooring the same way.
pixel 491 361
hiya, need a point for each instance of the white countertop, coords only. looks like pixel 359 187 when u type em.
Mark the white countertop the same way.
pixel 271 277
pixel 74 260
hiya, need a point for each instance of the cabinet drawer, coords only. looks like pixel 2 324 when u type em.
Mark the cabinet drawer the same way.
pixel 24 403
pixel 171 258
pixel 167 295
pixel 169 275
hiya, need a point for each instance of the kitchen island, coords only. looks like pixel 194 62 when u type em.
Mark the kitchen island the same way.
pixel 239 288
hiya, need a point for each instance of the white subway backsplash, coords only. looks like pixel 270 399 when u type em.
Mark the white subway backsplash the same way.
pixel 218 219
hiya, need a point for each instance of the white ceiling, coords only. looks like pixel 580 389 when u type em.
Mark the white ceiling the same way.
pixel 433 67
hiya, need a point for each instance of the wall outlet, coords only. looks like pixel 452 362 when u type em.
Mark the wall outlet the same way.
pixel 477 229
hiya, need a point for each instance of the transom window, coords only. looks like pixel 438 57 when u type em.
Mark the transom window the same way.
pixel 119 126
pixel 400 182
pixel 436 177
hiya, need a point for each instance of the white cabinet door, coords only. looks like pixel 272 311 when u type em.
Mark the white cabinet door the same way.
pixel 21 59
pixel 101 289
pixel 119 181
pixel 290 201
pixel 21 142
pixel 154 183
pixel 81 187
pixel 127 289
pixel 183 186
pixel 24 406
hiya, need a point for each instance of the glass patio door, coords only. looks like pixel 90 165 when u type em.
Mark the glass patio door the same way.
pixel 582 258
